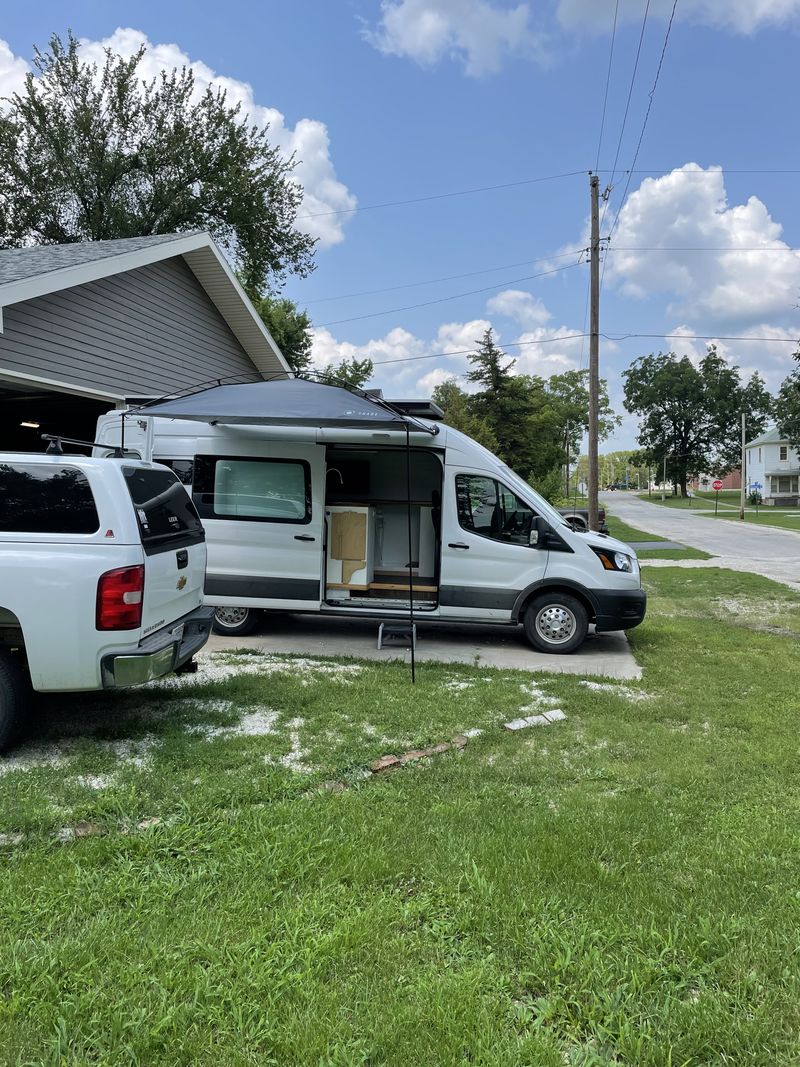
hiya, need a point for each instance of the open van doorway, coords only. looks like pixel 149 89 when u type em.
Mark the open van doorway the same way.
pixel 367 528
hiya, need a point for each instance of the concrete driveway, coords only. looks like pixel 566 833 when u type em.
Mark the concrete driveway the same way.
pixel 606 655
pixel 765 550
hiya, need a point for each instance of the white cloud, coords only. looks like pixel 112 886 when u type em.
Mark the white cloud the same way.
pixel 688 209
pixel 308 140
pixel 477 32
pixel 525 308
pixel 12 71
pixel 740 16
pixel 421 365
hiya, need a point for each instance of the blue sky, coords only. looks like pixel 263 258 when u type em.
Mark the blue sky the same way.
pixel 414 98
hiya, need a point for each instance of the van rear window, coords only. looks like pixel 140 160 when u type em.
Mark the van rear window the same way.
pixel 164 510
pixel 45 498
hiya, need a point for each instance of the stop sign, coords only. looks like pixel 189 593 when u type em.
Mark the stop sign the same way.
pixel 716 485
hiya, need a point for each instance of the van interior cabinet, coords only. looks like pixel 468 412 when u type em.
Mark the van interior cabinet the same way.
pixel 351 547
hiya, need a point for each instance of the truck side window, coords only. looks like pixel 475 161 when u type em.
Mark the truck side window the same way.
pixel 259 490
pixel 491 509
pixel 45 498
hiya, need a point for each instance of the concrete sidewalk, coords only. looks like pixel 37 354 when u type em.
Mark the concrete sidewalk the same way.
pixel 607 655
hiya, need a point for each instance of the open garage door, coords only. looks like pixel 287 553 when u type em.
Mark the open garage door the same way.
pixel 27 413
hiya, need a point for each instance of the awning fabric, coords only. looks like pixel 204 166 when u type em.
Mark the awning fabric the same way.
pixel 285 402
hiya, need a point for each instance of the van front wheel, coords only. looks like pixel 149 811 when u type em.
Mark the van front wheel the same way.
pixel 556 622
pixel 235 622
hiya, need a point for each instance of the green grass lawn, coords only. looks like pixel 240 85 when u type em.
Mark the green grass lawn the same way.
pixel 786 520
pixel 701 501
pixel 620 887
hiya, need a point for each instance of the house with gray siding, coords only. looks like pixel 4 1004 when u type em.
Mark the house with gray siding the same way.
pixel 86 327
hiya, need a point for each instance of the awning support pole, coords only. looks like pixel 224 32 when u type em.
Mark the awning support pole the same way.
pixel 410 557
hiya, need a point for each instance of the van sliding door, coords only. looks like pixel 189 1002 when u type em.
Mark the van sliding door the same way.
pixel 264 523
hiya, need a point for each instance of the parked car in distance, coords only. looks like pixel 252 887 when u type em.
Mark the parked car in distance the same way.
pixel 102 564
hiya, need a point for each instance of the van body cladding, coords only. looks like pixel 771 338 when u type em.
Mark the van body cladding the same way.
pixel 244 585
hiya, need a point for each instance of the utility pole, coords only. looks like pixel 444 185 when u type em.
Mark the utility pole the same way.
pixel 741 497
pixel 594 350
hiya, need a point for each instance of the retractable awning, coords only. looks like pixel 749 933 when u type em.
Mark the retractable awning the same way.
pixel 286 402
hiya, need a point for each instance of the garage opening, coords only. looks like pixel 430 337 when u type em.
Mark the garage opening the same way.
pixel 27 413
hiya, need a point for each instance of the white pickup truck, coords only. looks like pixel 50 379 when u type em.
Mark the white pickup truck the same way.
pixel 102 563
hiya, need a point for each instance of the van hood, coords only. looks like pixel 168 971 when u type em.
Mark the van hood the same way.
pixel 610 544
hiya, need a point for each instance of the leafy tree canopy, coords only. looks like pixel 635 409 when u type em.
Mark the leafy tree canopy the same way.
pixel 787 409
pixel 534 424
pixel 89 153
pixel 290 328
pixel 691 415
pixel 353 372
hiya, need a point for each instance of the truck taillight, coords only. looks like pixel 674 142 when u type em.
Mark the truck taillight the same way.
pixel 601 514
pixel 119 599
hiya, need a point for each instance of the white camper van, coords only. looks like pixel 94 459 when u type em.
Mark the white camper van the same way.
pixel 316 519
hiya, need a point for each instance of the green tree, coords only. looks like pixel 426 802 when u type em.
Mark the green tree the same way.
pixel 787 409
pixel 455 404
pixel 88 154
pixel 691 415
pixel 290 328
pixel 353 372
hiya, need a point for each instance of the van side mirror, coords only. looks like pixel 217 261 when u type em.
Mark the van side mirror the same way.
pixel 539 532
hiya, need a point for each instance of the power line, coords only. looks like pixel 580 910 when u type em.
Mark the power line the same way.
pixel 608 82
pixel 576 336
pixel 443 196
pixel 646 117
pixel 454 296
pixel 627 108
pixel 446 278
pixel 469 351
pixel 700 249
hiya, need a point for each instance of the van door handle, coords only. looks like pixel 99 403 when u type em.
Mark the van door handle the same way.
pixel 183 559
pixel 304 537
pixel 457 544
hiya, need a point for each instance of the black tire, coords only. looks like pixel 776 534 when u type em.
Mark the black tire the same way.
pixel 556 623
pixel 235 622
pixel 576 523
pixel 14 694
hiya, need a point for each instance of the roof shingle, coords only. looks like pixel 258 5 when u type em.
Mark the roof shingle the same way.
pixel 17 264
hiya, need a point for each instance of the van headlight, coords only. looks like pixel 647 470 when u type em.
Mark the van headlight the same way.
pixel 615 561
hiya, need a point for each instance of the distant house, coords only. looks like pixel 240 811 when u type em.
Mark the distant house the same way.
pixel 775 466
pixel 731 480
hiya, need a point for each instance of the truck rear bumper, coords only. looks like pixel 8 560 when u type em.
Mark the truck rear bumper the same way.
pixel 160 653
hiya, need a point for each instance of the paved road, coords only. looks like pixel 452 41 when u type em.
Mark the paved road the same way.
pixel 766 550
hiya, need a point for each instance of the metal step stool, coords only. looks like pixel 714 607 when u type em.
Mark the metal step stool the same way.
pixel 397 631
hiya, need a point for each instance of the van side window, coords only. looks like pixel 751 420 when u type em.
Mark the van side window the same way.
pixel 182 468
pixel 261 490
pixel 45 498
pixel 491 509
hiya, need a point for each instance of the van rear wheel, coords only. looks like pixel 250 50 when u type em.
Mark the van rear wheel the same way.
pixel 235 622
pixel 556 623
pixel 14 693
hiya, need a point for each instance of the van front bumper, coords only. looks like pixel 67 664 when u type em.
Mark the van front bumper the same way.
pixel 160 653
pixel 618 609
